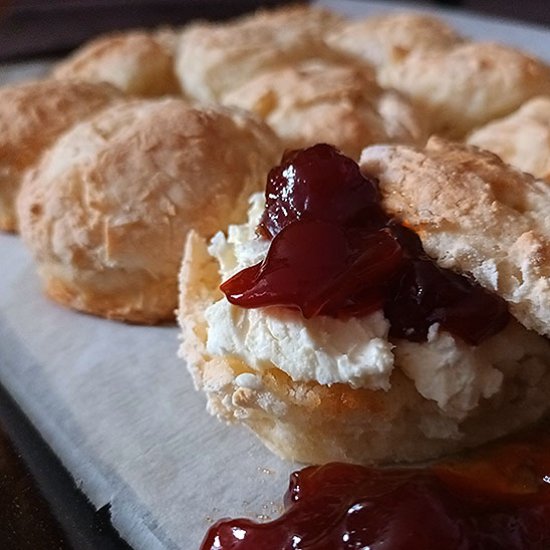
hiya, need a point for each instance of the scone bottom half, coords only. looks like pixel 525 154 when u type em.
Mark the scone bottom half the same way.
pixel 391 358
pixel 106 210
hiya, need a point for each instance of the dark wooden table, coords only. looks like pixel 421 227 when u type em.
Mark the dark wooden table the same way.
pixel 20 499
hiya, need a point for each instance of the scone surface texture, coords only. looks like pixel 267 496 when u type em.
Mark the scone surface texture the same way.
pixel 521 139
pixel 137 62
pixel 389 38
pixel 341 104
pixel 106 211
pixel 32 116
pixel 215 58
pixel 469 84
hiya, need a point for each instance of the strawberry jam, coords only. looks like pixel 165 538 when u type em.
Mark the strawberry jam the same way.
pixel 334 251
pixel 495 499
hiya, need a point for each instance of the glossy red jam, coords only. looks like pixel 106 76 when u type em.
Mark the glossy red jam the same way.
pixel 335 252
pixel 495 499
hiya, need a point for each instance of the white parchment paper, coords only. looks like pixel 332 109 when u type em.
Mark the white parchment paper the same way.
pixel 118 407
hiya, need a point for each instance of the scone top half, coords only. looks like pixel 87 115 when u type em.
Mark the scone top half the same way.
pixel 475 215
pixel 322 386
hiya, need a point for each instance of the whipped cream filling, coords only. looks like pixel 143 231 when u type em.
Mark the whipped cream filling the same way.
pixel 327 350
pixel 356 351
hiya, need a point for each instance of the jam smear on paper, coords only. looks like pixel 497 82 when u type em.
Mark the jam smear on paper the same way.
pixel 497 498
pixel 334 251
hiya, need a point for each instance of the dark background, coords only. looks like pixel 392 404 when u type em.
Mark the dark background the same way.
pixel 53 27
pixel 535 11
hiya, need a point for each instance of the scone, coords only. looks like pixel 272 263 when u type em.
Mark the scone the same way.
pixel 476 215
pixel 32 116
pixel 137 62
pixel 215 58
pixel 338 104
pixel 521 139
pixel 386 39
pixel 363 373
pixel 106 211
pixel 468 85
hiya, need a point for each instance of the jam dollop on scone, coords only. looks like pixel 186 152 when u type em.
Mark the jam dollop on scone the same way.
pixel 357 319
pixel 335 252
pixel 106 211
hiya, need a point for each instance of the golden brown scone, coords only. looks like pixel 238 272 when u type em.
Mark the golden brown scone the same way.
pixel 215 58
pixel 522 139
pixel 137 62
pixel 32 116
pixel 342 105
pixel 389 38
pixel 476 215
pixel 315 423
pixel 106 211
pixel 469 84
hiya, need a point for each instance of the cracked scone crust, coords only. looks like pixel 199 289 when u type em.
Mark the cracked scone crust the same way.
pixel 314 423
pixel 469 84
pixel 343 105
pixel 106 211
pixel 521 139
pixel 475 215
pixel 215 58
pixel 137 62
pixel 32 116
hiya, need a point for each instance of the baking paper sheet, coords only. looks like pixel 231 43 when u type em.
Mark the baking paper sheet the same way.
pixel 118 407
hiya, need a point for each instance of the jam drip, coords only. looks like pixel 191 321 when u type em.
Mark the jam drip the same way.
pixel 496 499
pixel 334 251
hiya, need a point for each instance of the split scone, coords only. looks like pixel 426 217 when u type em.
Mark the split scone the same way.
pixel 521 139
pixel 106 211
pixel 137 62
pixel 337 337
pixel 389 38
pixel 469 84
pixel 215 58
pixel 32 116
pixel 343 105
